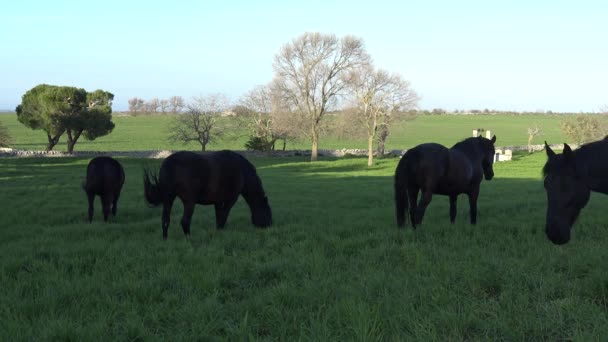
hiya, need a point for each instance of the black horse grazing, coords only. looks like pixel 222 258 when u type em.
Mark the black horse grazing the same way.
pixel 435 169
pixel 105 177
pixel 212 178
pixel 569 179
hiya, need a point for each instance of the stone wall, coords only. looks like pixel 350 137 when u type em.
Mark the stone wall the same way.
pixel 538 147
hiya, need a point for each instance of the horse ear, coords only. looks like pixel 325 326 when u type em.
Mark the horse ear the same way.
pixel 550 152
pixel 493 140
pixel 568 154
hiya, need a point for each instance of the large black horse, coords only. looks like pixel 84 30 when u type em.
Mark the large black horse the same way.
pixel 435 169
pixel 216 178
pixel 105 178
pixel 569 179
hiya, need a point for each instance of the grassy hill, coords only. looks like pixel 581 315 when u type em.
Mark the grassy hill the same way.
pixel 150 132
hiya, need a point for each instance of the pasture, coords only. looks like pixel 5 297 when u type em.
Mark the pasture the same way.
pixel 150 132
pixel 332 267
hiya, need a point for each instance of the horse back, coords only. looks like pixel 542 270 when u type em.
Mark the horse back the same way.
pixel 435 167
pixel 460 175
pixel 206 178
pixel 426 163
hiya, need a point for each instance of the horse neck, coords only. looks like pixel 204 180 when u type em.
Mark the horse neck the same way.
pixel 470 149
pixel 252 189
pixel 594 169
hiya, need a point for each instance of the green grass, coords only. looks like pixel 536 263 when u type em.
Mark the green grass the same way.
pixel 149 133
pixel 332 267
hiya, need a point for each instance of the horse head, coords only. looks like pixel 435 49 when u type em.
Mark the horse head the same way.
pixel 487 157
pixel 567 193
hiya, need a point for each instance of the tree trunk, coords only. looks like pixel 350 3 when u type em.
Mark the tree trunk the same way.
pixel 284 144
pixel 52 141
pixel 381 140
pixel 530 144
pixel 72 139
pixel 380 149
pixel 370 150
pixel 71 146
pixel 203 146
pixel 315 145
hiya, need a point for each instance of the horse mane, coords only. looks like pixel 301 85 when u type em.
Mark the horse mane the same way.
pixel 584 150
pixel 469 145
pixel 546 168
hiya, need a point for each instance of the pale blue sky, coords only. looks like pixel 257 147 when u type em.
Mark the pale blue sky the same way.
pixel 508 55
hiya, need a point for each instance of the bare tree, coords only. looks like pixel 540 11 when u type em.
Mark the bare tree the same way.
pixel 140 106
pixel 164 105
pixel 133 104
pixel 200 121
pixel 308 75
pixel 256 105
pixel 152 105
pixel 266 119
pixel 533 132
pixel 377 95
pixel 402 104
pixel 176 103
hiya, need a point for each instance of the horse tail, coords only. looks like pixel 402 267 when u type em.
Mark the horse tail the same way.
pixel 153 190
pixel 86 183
pixel 401 185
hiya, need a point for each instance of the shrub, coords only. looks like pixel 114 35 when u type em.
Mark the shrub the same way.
pixel 5 137
pixel 257 144
pixel 583 129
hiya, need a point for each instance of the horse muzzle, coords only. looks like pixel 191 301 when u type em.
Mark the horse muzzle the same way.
pixel 557 235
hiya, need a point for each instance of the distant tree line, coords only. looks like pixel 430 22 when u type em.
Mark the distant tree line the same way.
pixel 174 104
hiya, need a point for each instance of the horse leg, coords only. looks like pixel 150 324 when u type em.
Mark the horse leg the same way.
pixel 413 199
pixel 222 210
pixel 115 204
pixel 401 205
pixel 473 204
pixel 106 204
pixel 453 199
pixel 187 217
pixel 166 218
pixel 91 198
pixel 425 200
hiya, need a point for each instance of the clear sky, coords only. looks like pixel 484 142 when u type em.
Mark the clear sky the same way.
pixel 507 55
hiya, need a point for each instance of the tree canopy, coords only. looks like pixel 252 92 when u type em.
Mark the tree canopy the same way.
pixel 60 109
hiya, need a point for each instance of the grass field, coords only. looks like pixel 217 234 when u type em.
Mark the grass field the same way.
pixel 149 133
pixel 333 267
